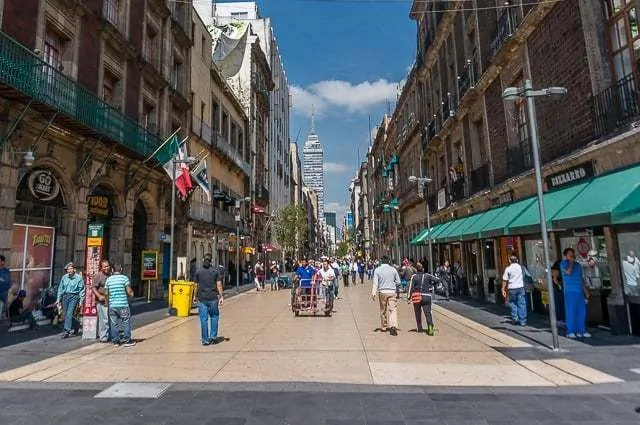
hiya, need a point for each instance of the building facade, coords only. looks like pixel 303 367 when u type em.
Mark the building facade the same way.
pixel 112 76
pixel 296 174
pixel 313 166
pixel 452 125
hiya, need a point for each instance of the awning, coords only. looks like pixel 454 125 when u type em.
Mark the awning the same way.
pixel 500 225
pixel 608 199
pixel 454 232
pixel 529 221
pixel 473 231
pixel 435 234
pixel 423 236
pixel 417 238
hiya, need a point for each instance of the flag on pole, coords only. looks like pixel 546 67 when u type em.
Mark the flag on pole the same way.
pixel 166 153
pixel 200 176
pixel 183 179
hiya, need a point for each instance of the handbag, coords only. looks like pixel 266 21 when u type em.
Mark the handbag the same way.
pixel 416 297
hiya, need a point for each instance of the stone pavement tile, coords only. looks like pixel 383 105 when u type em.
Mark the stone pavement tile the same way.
pixel 345 422
pixel 382 422
pixel 225 421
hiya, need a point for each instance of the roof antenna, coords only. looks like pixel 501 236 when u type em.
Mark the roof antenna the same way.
pixel 313 119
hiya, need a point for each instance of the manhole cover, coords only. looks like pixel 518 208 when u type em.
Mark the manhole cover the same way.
pixel 134 390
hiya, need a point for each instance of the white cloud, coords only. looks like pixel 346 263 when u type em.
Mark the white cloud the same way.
pixel 342 94
pixel 336 167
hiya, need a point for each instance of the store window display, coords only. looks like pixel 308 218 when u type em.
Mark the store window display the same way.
pixel 629 244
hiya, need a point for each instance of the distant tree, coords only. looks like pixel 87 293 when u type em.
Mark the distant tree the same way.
pixel 291 228
pixel 343 249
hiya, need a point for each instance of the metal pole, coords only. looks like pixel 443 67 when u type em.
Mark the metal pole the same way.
pixel 395 231
pixel 533 128
pixel 173 216
pixel 426 199
pixel 238 254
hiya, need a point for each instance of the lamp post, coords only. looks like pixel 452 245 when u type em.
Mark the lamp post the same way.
pixel 237 217
pixel 528 93
pixel 423 182
pixel 188 160
pixel 395 228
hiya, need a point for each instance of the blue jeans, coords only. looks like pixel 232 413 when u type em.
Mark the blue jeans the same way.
pixel 208 329
pixel 69 304
pixel 120 322
pixel 575 312
pixel 518 303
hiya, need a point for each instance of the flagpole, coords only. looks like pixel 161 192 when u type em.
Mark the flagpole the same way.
pixel 161 146
pixel 173 216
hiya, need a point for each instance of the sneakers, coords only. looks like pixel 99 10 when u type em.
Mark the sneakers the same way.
pixel 571 336
pixel 129 344
pixel 430 330
pixel 393 332
pixel 65 335
pixel 585 335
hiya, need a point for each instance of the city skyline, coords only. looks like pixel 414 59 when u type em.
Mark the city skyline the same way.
pixel 313 166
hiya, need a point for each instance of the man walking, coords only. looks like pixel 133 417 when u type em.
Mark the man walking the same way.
pixel 98 288
pixel 210 299
pixel 385 282
pixel 70 294
pixel 513 291
pixel 118 289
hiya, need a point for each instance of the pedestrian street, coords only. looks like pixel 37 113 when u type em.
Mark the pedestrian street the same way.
pixel 264 343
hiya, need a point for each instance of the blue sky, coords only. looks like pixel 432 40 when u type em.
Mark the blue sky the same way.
pixel 347 59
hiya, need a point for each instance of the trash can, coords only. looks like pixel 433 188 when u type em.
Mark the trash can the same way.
pixel 181 296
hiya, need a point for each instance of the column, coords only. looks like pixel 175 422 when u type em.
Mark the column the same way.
pixel 616 306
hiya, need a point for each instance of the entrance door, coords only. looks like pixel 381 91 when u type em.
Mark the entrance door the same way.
pixel 138 245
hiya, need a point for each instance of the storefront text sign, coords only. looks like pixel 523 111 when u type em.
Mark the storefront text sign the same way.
pixel 149 265
pixel 43 185
pixel 99 205
pixel 571 175
pixel 94 247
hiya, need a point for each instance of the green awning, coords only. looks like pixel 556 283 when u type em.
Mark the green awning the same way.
pixel 473 231
pixel 454 232
pixel 529 221
pixel 500 225
pixel 608 199
pixel 424 235
pixel 418 238
pixel 435 234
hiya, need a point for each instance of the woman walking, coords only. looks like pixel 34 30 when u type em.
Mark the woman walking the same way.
pixel 420 289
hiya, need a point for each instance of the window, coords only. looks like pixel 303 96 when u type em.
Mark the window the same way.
pixel 240 15
pixel 149 118
pixel 111 89
pixel 623 37
pixel 110 11
pixel 176 75
pixel 150 51
pixel 204 47
pixel 215 117
pixel 53 45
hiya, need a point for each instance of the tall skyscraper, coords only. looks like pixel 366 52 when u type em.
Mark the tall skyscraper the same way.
pixel 313 166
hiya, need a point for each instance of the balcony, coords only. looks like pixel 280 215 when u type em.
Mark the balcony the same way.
pixel 519 158
pixel 85 113
pixel 181 19
pixel 506 27
pixel 111 14
pixel 200 212
pixel 224 219
pixel 467 80
pixel 616 107
pixel 479 179
pixel 220 143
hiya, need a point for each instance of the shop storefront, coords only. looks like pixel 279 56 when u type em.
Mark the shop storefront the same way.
pixel 629 247
pixel 39 212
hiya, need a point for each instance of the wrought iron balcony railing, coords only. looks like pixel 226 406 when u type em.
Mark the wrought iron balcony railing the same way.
pixel 218 141
pixel 467 79
pixel 27 73
pixel 505 28
pixel 111 13
pixel 479 178
pixel 616 106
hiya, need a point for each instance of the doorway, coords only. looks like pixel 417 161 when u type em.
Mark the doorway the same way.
pixel 138 245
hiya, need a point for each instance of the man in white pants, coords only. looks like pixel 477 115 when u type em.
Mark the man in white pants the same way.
pixel 385 283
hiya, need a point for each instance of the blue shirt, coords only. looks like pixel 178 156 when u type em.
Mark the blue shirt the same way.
pixel 116 285
pixel 305 274
pixel 571 282
pixel 71 285
pixel 5 284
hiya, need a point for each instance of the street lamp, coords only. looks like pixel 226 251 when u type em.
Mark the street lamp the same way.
pixel 423 182
pixel 395 228
pixel 528 93
pixel 237 217
pixel 188 160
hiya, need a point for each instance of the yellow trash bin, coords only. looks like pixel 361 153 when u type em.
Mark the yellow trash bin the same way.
pixel 181 297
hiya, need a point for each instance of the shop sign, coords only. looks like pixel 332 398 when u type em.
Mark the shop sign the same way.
pixel 571 175
pixel 583 247
pixel 203 233
pixel 93 257
pixel 248 250
pixel 43 185
pixel 99 205
pixel 442 198
pixel 149 265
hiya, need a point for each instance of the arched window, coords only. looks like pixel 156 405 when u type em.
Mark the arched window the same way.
pixel 622 37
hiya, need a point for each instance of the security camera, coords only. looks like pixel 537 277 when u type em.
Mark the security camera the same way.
pixel 28 158
pixel 556 93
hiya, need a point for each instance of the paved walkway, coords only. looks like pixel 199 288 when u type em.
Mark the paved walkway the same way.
pixel 266 343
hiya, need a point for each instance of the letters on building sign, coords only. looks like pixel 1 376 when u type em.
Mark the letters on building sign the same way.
pixel 43 185
pixel 43 239
pixel 99 205
pixel 574 174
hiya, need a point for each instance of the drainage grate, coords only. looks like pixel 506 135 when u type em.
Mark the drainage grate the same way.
pixel 134 390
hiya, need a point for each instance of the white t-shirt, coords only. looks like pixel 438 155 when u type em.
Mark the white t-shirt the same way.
pixel 328 276
pixel 513 275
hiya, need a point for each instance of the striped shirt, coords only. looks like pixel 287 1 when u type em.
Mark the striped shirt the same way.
pixel 116 284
